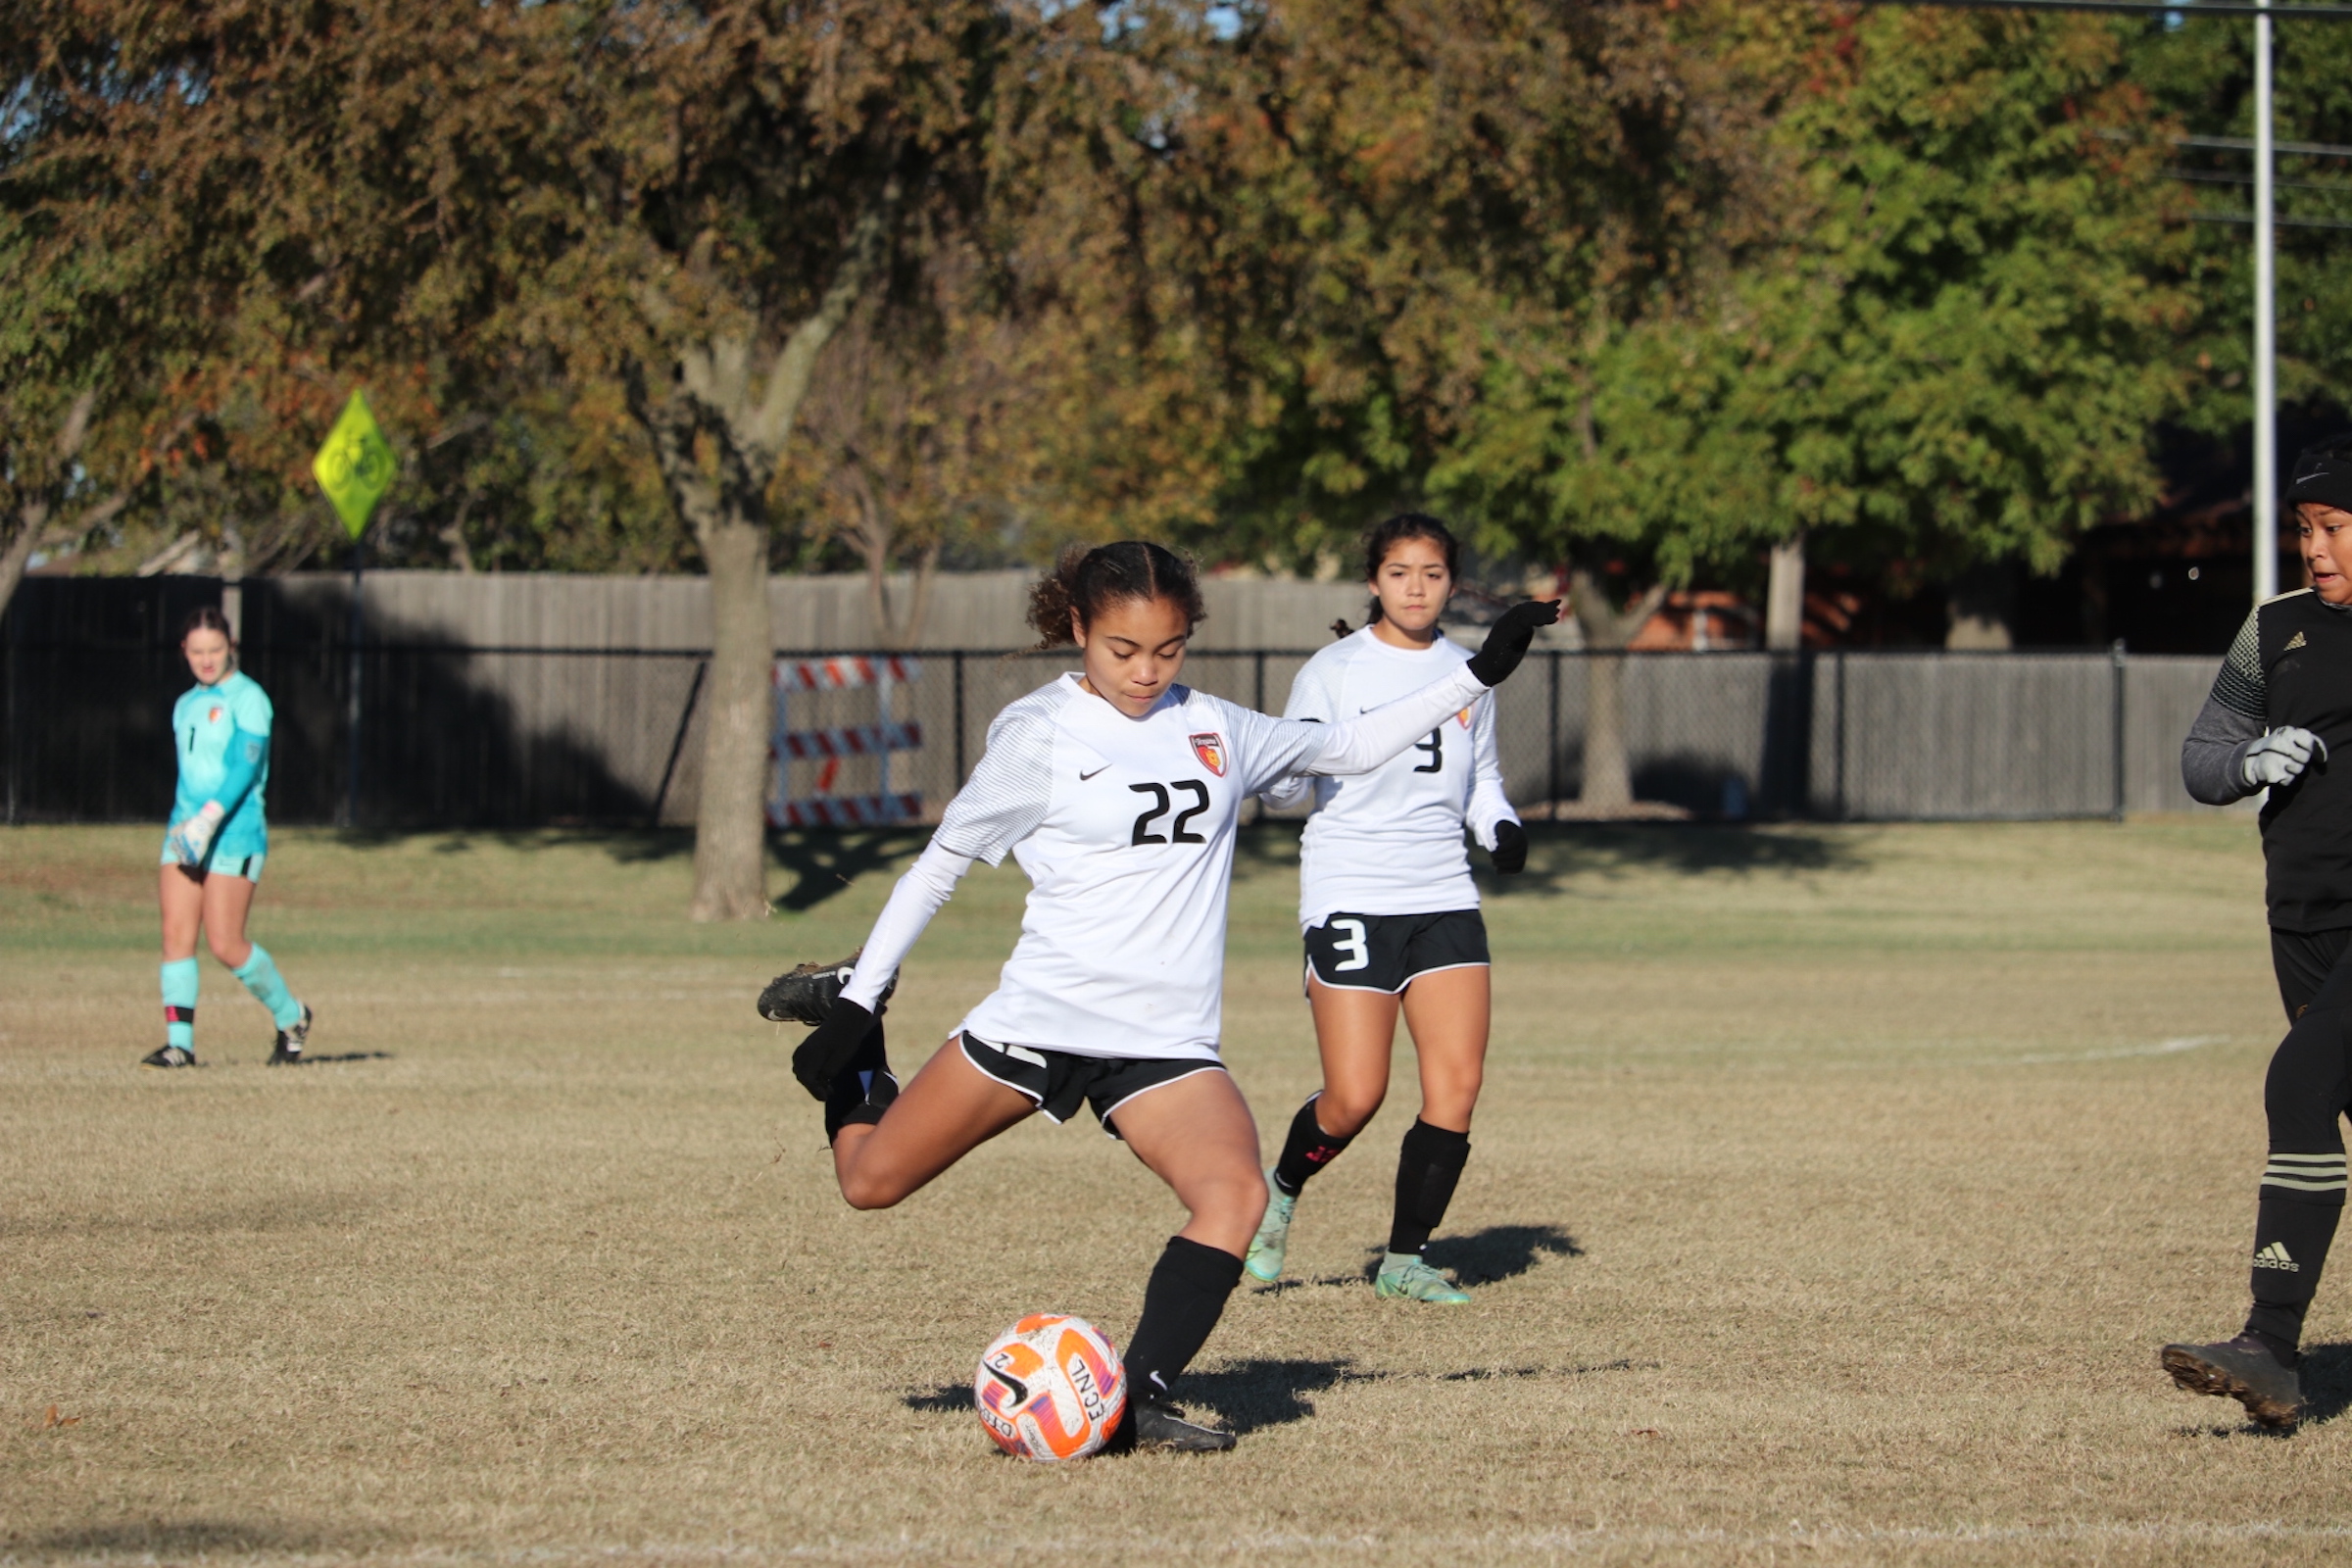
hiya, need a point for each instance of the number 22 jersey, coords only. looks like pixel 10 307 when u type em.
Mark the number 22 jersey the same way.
pixel 1125 827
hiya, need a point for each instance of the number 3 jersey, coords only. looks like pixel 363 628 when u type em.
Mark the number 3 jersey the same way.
pixel 1125 827
pixel 1389 842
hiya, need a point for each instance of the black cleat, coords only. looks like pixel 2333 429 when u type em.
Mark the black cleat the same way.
pixel 2243 1369
pixel 170 1056
pixel 1164 1426
pixel 288 1051
pixel 807 994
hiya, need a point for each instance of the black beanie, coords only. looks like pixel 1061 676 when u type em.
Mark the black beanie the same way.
pixel 2324 473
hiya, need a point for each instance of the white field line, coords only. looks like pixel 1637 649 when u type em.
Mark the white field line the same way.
pixel 2162 1048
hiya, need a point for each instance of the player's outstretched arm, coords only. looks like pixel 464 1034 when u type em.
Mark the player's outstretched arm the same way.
pixel 1363 743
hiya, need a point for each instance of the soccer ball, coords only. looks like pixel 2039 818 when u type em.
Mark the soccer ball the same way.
pixel 1051 1388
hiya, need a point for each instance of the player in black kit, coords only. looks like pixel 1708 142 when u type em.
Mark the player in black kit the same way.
pixel 2282 704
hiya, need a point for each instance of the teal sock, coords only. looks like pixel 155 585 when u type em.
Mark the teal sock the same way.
pixel 180 1003
pixel 259 972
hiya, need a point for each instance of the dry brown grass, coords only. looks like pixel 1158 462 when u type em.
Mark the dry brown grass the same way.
pixel 1834 1190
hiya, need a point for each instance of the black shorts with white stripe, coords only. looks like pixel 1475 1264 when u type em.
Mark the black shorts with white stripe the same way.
pixel 1056 1081
pixel 1386 953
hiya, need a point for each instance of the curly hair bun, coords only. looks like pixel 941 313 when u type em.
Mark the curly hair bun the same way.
pixel 1086 582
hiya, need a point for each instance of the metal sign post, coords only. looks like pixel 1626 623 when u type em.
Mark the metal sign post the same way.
pixel 354 467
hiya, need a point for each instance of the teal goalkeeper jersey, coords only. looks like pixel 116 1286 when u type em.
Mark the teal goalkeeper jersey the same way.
pixel 206 722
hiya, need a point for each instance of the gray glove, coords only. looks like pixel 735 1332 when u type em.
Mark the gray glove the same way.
pixel 2280 756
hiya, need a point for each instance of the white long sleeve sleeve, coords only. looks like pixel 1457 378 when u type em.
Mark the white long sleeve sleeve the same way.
pixel 927 885
pixel 1361 743
pixel 1489 806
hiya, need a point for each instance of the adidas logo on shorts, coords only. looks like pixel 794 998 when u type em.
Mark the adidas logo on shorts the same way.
pixel 2276 1256
pixel 2292 643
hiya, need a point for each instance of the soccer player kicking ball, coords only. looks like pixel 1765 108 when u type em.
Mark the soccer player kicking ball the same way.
pixel 1117 790
pixel 1389 911
pixel 2283 700
pixel 215 843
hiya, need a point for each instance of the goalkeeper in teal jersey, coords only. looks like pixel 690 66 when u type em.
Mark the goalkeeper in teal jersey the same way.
pixel 215 843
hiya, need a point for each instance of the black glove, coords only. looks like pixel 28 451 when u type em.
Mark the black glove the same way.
pixel 1507 640
pixel 1510 847
pixel 821 1057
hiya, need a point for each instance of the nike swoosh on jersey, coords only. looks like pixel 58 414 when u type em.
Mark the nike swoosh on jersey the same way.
pixel 1083 777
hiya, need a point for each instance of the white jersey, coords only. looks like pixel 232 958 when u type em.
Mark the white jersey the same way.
pixel 1126 830
pixel 1389 842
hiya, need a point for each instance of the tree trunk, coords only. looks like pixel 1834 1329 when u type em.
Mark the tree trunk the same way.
pixel 1608 783
pixel 718 427
pixel 730 870
pixel 1609 777
pixel 32 526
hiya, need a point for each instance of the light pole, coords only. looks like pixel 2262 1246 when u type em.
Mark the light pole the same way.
pixel 2266 326
pixel 2266 281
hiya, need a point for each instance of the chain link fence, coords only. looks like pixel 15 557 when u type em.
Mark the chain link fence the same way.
pixel 522 736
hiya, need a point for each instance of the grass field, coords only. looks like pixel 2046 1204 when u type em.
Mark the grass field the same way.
pixel 1832 1191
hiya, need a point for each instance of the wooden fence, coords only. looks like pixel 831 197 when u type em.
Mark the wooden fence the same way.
pixel 469 733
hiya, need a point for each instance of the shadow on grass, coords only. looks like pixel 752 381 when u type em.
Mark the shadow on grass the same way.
pixel 1245 1394
pixel 1496 1253
pixel 169 1538
pixel 1560 849
pixel 1267 1392
pixel 1263 1391
pixel 2326 1380
pixel 311 1061
pixel 626 846
pixel 823 865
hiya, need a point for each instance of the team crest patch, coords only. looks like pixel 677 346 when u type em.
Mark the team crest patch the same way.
pixel 1210 749
pixel 1463 718
pixel 213 718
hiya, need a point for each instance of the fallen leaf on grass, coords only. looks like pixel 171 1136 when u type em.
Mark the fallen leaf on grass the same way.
pixel 1643 1432
pixel 53 1420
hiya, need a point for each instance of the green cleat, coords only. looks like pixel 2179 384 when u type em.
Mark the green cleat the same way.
pixel 1404 1276
pixel 1264 1262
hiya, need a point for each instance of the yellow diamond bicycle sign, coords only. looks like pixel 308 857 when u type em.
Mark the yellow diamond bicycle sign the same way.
pixel 354 467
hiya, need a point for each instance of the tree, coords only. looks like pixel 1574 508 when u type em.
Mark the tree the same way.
pixel 741 179
pixel 1953 351
pixel 2201 72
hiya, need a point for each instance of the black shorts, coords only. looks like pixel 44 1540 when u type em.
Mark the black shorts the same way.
pixel 1387 953
pixel 1056 1081
pixel 2303 960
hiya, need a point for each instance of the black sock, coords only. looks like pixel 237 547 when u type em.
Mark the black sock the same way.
pixel 1182 1303
pixel 1427 1167
pixel 1306 1150
pixel 2292 1237
pixel 864 1088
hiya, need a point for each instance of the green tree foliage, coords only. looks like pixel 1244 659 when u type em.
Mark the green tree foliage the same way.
pixel 2201 72
pixel 1955 351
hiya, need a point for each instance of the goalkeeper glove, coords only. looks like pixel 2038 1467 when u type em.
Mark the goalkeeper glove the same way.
pixel 2280 756
pixel 188 841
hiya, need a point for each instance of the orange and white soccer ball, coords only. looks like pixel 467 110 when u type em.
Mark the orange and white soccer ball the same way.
pixel 1051 1388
